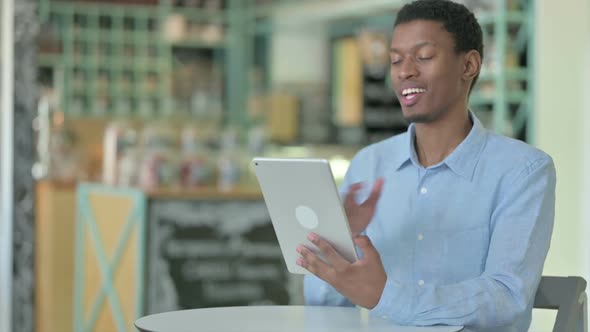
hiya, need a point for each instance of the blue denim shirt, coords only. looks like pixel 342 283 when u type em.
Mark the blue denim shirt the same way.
pixel 463 242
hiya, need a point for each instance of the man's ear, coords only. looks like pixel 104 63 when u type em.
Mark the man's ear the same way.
pixel 471 65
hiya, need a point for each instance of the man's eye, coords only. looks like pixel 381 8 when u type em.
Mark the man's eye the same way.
pixel 396 62
pixel 425 58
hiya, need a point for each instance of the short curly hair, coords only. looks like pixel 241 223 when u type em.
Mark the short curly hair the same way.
pixel 455 17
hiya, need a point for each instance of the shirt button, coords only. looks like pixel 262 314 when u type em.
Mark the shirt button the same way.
pixel 421 283
pixel 384 317
pixel 420 237
pixel 423 190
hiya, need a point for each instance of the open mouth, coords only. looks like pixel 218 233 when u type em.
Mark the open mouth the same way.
pixel 412 92
pixel 410 96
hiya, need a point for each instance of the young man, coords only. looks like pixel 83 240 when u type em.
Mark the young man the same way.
pixel 457 225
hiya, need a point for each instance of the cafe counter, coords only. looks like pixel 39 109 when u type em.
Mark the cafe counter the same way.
pixel 108 255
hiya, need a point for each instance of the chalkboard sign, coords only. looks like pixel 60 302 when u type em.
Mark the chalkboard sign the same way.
pixel 214 253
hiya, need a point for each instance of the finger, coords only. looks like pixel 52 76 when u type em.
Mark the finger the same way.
pixel 311 262
pixel 332 256
pixel 350 200
pixel 375 192
pixel 366 246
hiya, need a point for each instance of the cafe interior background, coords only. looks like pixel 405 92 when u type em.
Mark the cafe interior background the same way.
pixel 128 128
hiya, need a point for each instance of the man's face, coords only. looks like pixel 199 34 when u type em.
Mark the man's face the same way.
pixel 426 71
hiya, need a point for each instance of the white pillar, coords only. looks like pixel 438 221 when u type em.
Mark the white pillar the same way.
pixel 6 160
pixel 562 125
pixel 561 122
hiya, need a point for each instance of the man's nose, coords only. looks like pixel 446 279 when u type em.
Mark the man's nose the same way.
pixel 407 69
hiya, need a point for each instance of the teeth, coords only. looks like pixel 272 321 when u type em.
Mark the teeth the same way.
pixel 412 91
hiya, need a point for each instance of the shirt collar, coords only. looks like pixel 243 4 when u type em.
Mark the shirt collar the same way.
pixel 403 157
pixel 466 155
pixel 462 160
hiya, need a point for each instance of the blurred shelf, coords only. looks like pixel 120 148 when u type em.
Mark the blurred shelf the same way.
pixel 115 36
pixel 117 64
pixel 325 10
pixel 49 60
pixel 104 8
pixel 511 17
pixel 134 95
pixel 107 45
pixel 512 97
pixel 511 74
pixel 383 118
pixel 240 192
pixel 198 44
pixel 201 15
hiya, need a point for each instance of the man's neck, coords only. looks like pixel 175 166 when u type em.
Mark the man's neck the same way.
pixel 435 141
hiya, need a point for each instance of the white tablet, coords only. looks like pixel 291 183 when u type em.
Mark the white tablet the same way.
pixel 301 197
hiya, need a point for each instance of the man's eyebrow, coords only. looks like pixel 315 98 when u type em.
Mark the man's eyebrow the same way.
pixel 419 45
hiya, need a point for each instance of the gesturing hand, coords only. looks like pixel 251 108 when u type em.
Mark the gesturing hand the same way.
pixel 359 215
pixel 362 282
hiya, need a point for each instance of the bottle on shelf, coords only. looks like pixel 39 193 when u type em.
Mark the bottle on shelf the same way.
pixel 196 169
pixel 228 163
